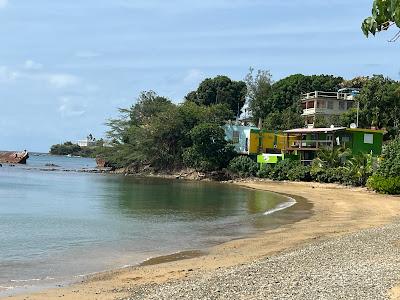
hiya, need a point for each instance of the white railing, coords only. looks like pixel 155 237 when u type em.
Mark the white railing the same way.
pixel 311 111
pixel 312 144
pixel 331 95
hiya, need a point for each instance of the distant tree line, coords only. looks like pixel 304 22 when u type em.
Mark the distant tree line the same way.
pixel 69 148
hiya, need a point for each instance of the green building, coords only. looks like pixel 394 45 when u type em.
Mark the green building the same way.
pixel 304 143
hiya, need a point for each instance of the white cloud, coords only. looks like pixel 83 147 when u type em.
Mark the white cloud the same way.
pixel 56 80
pixel 61 80
pixel 3 3
pixel 193 76
pixel 68 108
pixel 8 75
pixel 32 65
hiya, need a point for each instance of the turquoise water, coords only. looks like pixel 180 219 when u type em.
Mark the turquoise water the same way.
pixel 56 226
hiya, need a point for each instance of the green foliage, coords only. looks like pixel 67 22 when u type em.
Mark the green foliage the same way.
pixel 282 169
pixel 258 90
pixel 68 148
pixel 326 121
pixel 155 133
pixel 148 105
pixel 380 104
pixel 384 14
pixel 359 168
pixel 265 171
pixel 243 166
pixel 220 90
pixel 389 166
pixel 284 120
pixel 330 158
pixel 300 173
pixel 209 151
pixel 331 175
pixel 385 185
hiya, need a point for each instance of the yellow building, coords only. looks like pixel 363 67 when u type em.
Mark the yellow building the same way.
pixel 264 141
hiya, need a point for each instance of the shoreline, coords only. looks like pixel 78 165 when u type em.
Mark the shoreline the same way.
pixel 333 215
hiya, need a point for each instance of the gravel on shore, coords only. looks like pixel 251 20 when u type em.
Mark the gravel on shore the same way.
pixel 361 265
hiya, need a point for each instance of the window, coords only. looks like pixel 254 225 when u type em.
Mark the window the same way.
pixel 246 147
pixel 342 105
pixel 330 104
pixel 350 104
pixel 368 138
pixel 235 137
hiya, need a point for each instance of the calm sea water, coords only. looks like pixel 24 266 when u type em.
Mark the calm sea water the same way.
pixel 56 225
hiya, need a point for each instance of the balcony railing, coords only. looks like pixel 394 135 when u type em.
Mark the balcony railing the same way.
pixel 312 111
pixel 311 144
pixel 330 95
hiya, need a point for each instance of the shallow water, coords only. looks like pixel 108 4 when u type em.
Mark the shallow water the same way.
pixel 56 226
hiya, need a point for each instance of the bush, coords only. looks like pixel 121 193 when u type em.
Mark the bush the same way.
pixel 266 171
pixel 243 166
pixel 300 173
pixel 282 168
pixel 390 164
pixel 332 175
pixel 385 185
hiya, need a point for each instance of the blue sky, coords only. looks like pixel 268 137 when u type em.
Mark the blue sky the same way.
pixel 65 66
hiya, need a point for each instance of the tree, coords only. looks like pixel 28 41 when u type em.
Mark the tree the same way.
pixel 148 104
pixel 210 150
pixel 385 13
pixel 287 119
pixel 220 90
pixel 258 92
pixel 380 104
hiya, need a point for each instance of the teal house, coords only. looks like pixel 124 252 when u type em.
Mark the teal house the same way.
pixel 239 136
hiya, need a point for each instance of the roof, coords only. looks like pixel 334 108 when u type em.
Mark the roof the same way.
pixel 314 130
pixel 367 130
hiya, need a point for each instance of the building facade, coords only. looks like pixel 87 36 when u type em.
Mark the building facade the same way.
pixel 325 105
pixel 311 140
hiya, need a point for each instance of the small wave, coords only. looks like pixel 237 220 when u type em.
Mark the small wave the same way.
pixel 6 287
pixel 25 280
pixel 281 206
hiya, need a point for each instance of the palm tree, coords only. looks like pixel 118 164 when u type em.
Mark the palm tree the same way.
pixel 360 167
pixel 331 158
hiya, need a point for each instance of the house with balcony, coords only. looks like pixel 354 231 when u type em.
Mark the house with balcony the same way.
pixel 326 104
pixel 309 141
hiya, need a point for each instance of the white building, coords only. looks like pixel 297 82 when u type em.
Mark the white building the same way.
pixel 326 104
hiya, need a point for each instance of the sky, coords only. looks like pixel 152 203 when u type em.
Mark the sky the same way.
pixel 66 66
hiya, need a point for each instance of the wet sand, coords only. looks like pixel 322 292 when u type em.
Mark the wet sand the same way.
pixel 336 211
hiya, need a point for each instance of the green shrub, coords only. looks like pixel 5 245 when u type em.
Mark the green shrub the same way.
pixel 331 175
pixel 243 166
pixel 390 164
pixel 282 168
pixel 385 185
pixel 300 173
pixel 266 171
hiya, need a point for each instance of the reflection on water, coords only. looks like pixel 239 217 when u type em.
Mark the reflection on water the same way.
pixel 56 225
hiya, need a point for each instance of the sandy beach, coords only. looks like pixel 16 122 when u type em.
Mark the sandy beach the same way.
pixel 348 247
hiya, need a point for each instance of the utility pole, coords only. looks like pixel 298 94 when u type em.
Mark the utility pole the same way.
pixel 358 112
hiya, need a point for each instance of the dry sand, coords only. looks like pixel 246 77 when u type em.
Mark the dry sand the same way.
pixel 336 211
